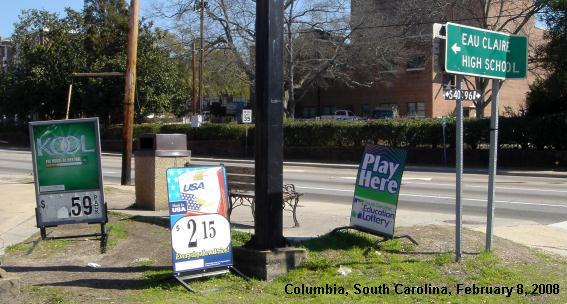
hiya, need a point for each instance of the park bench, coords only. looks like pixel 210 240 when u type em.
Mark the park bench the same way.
pixel 241 190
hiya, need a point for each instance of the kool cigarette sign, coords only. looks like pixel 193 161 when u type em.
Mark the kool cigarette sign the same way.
pixel 68 174
pixel 377 188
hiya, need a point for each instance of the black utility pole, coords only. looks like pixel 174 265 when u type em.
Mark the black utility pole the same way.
pixel 268 231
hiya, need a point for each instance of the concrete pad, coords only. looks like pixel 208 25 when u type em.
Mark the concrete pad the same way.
pixel 562 225
pixel 547 238
pixel 267 265
pixel 17 209
pixel 17 202
pixel 18 233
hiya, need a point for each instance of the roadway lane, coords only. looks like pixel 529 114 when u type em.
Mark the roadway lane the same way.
pixel 541 199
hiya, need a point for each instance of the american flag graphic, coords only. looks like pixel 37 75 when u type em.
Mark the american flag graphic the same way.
pixel 191 202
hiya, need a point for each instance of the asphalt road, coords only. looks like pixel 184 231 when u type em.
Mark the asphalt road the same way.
pixel 542 200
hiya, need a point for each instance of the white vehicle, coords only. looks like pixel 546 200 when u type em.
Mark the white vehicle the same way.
pixel 341 115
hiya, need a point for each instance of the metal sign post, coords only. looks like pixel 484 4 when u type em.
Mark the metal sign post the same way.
pixel 246 119
pixel 444 125
pixel 492 164
pixel 459 174
pixel 481 53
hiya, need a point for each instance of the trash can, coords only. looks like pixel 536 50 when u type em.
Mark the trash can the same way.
pixel 155 154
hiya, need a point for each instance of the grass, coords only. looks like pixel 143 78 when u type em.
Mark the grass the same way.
pixel 399 277
pixel 17 248
pixel 47 295
pixel 391 273
pixel 117 231
pixel 46 247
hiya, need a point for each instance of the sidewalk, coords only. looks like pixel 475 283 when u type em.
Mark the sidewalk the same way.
pixel 17 217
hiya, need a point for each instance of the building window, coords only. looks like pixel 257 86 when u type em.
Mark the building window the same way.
pixel 388 106
pixel 449 81
pixel 309 112
pixel 416 109
pixel 388 66
pixel 330 110
pixel 416 63
pixel 366 109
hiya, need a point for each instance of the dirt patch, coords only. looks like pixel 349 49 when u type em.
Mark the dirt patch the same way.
pixel 441 239
pixel 135 246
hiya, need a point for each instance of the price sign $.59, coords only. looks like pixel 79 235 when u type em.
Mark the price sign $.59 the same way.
pixel 80 205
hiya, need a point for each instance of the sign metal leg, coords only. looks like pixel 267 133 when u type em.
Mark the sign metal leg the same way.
pixel 384 237
pixel 104 234
pixel 181 277
pixel 238 272
pixel 184 284
pixel 104 237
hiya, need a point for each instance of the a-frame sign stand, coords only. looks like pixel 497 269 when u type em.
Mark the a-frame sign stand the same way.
pixel 384 237
pixel 182 277
pixel 104 234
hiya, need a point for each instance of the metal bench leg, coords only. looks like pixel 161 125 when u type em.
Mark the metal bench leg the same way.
pixel 296 222
pixel 230 203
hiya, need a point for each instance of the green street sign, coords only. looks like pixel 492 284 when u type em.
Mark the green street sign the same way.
pixel 478 52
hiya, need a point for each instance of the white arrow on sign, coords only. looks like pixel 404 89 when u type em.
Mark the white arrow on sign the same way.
pixel 456 48
pixel 477 96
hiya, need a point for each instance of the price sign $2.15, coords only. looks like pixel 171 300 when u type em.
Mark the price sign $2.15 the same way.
pixel 200 232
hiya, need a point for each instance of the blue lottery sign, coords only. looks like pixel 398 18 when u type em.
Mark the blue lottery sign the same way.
pixel 200 230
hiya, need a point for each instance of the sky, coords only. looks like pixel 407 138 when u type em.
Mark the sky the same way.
pixel 11 9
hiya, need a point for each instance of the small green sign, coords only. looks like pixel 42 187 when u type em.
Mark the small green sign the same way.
pixel 478 52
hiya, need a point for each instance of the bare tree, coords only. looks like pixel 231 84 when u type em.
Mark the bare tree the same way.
pixel 347 42
pixel 229 39
pixel 320 48
pixel 337 42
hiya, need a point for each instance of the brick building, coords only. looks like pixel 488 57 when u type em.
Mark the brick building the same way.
pixel 413 87
pixel 6 55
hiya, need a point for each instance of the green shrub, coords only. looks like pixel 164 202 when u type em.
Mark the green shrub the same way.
pixel 514 132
